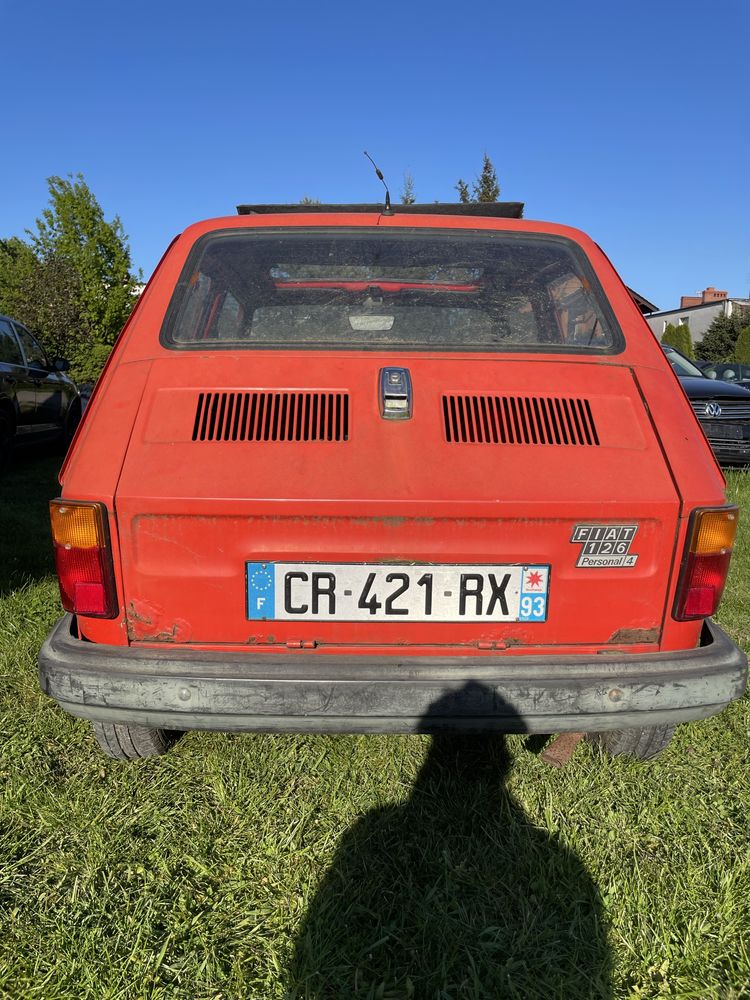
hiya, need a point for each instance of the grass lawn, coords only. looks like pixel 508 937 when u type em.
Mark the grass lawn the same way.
pixel 363 866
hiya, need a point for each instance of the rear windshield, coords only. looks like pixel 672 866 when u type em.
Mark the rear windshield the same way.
pixel 372 289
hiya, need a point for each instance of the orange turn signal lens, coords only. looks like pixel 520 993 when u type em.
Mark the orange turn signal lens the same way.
pixel 77 525
pixel 713 531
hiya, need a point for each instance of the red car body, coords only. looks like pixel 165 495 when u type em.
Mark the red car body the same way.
pixel 195 485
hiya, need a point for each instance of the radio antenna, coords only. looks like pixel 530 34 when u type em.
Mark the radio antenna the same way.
pixel 379 172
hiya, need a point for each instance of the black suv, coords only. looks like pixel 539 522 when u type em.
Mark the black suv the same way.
pixel 38 401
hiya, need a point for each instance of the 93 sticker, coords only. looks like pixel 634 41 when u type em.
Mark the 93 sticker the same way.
pixel 605 545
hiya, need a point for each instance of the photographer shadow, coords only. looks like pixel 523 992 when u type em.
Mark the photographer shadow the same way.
pixel 453 894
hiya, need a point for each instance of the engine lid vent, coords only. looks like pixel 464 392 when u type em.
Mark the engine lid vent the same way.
pixel 272 416
pixel 518 420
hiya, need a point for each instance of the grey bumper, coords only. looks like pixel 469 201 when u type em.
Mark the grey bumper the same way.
pixel 304 692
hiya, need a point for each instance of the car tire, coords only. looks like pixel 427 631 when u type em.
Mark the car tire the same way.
pixel 133 742
pixel 7 439
pixel 640 744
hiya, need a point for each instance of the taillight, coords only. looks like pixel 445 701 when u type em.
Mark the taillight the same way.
pixel 83 558
pixel 705 563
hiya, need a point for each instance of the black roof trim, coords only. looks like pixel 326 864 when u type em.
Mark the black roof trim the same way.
pixel 493 209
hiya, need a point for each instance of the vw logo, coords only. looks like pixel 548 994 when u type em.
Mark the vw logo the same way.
pixel 713 409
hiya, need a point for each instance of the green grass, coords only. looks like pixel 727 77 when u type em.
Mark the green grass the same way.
pixel 390 867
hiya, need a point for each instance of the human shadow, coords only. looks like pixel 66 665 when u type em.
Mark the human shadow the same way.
pixel 453 894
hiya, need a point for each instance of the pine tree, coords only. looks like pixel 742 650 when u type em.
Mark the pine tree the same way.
pixel 408 195
pixel 486 186
pixel 720 338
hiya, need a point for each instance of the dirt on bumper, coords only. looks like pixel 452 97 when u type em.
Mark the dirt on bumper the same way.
pixel 187 689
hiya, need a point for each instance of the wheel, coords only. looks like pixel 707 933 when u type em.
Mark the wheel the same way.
pixel 641 744
pixel 133 742
pixel 7 437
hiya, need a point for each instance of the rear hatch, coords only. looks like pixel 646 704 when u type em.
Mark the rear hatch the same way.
pixel 283 461
pixel 268 498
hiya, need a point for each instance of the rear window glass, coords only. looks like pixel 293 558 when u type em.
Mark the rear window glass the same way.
pixel 360 289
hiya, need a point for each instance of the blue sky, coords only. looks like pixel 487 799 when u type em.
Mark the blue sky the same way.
pixel 630 121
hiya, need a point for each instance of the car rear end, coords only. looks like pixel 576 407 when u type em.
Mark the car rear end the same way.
pixel 360 472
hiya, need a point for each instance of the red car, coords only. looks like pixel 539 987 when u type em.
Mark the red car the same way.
pixel 353 470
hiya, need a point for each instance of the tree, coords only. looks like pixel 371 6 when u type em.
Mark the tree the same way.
pixel 17 263
pixel 720 338
pixel 307 200
pixel 46 295
pixel 73 237
pixel 486 186
pixel 742 347
pixel 679 337
pixel 408 195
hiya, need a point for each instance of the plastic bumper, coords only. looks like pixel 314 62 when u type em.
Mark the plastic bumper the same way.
pixel 177 688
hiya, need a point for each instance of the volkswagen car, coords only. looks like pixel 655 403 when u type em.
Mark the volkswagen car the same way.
pixel 331 481
pixel 722 407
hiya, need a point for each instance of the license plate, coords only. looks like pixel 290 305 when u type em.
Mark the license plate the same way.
pixel 361 592
pixel 727 432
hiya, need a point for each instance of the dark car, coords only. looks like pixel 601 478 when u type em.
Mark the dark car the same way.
pixel 38 401
pixel 723 409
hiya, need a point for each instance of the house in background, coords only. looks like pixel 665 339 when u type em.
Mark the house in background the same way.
pixel 696 311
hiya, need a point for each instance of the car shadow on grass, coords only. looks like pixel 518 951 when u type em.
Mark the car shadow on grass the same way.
pixel 453 894
pixel 25 491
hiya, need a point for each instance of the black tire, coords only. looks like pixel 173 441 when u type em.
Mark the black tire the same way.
pixel 133 742
pixel 7 439
pixel 641 744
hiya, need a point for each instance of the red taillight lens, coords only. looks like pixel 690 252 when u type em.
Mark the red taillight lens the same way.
pixel 83 558
pixel 705 564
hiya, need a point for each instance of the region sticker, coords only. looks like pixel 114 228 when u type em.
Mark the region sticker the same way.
pixel 605 545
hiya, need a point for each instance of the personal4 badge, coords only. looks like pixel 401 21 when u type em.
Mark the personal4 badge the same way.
pixel 605 545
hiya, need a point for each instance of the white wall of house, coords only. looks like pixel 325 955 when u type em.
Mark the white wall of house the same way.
pixel 698 318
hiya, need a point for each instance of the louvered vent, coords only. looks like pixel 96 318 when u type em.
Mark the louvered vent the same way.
pixel 272 416
pixel 518 420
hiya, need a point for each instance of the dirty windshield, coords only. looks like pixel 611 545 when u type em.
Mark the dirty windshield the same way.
pixel 360 289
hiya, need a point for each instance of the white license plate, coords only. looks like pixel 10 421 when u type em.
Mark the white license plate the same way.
pixel 361 592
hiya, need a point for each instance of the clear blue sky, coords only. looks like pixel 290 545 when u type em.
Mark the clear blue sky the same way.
pixel 628 120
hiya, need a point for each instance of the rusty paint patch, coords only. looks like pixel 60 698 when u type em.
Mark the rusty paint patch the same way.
pixel 145 624
pixel 634 635
pixel 140 616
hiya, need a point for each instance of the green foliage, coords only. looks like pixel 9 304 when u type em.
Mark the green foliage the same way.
pixel 307 200
pixel 485 188
pixel 742 347
pixel 463 192
pixel 679 337
pixel 719 340
pixel 408 195
pixel 72 283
